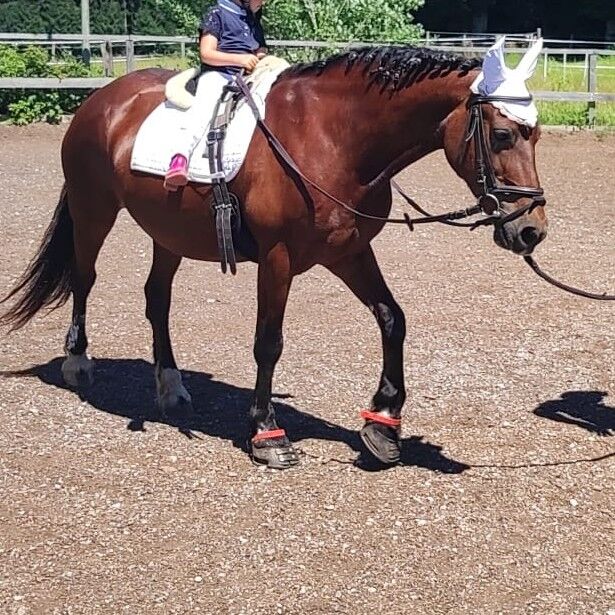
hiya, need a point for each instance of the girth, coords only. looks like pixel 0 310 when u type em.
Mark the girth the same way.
pixel 225 203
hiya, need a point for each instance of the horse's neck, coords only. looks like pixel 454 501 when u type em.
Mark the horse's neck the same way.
pixel 390 130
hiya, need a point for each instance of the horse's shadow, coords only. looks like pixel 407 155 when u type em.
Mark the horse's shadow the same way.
pixel 581 408
pixel 125 387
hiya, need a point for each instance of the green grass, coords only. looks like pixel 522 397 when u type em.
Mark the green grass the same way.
pixel 574 114
pixel 572 78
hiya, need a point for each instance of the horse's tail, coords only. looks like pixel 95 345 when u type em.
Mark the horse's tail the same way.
pixel 47 280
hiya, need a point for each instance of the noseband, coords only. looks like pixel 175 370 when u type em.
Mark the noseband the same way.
pixel 492 193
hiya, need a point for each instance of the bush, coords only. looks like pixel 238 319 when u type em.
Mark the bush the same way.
pixel 24 107
pixel 574 114
pixel 36 107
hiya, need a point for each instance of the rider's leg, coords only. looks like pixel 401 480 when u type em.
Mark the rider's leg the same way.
pixel 193 126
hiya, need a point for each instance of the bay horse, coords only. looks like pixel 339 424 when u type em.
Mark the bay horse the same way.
pixel 350 123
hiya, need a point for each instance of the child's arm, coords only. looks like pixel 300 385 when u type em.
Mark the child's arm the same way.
pixel 259 34
pixel 210 55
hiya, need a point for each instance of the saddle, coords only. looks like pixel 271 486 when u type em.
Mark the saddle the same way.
pixel 229 229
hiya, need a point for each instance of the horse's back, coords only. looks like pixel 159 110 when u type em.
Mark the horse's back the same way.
pixel 106 124
pixel 123 103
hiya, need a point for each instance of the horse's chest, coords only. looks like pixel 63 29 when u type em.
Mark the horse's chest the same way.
pixel 337 228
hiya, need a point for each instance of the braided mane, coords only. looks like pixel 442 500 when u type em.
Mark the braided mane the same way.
pixel 393 67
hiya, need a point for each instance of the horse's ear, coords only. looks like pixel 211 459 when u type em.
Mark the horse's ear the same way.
pixel 528 62
pixel 494 65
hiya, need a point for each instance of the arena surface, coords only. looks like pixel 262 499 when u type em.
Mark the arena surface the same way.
pixel 504 501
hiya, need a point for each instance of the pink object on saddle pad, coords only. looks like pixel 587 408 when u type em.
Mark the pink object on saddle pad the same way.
pixel 153 146
pixel 177 175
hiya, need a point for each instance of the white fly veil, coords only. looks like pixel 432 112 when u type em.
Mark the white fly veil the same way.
pixel 496 79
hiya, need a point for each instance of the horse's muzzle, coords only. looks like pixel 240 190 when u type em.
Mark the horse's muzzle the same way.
pixel 520 236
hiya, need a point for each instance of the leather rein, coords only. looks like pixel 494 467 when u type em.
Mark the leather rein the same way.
pixel 489 202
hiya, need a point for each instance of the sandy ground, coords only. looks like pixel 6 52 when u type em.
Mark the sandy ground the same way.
pixel 503 502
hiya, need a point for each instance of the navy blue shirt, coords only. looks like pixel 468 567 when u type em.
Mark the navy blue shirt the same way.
pixel 238 31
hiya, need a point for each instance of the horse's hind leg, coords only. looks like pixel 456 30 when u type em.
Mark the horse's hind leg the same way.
pixel 92 221
pixel 269 443
pixel 171 393
pixel 381 430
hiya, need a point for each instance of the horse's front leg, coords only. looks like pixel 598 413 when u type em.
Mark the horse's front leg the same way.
pixel 269 443
pixel 380 433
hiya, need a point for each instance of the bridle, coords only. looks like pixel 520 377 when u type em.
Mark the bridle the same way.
pixel 492 193
pixel 489 200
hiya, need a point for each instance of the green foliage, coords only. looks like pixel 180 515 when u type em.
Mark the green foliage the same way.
pixel 574 114
pixel 342 20
pixel 23 107
pixel 330 19
pixel 29 63
pixel 106 16
pixel 41 106
pixel 368 20
pixel 562 114
pixel 184 14
pixel 557 18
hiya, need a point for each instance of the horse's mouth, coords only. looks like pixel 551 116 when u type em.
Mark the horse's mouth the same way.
pixel 499 236
pixel 513 242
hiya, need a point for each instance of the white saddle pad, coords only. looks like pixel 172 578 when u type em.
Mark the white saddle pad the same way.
pixel 152 149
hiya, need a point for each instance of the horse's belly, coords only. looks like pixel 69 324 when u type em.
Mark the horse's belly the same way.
pixel 178 226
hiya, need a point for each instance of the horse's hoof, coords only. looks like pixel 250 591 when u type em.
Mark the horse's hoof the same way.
pixel 279 456
pixel 176 404
pixel 382 442
pixel 172 395
pixel 78 371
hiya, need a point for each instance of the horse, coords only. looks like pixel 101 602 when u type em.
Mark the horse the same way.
pixel 350 123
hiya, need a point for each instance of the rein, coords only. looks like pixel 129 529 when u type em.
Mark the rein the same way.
pixel 489 201
pixel 243 88
pixel 528 259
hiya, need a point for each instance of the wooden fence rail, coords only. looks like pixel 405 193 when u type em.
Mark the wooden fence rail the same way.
pixel 468 45
pixel 92 83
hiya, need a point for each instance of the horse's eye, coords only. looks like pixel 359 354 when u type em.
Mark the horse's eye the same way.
pixel 502 135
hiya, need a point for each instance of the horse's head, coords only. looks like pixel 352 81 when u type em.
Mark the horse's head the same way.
pixel 490 141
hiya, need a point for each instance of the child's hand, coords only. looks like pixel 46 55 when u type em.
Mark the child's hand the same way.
pixel 248 62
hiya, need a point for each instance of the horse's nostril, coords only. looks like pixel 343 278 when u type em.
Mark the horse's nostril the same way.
pixel 530 236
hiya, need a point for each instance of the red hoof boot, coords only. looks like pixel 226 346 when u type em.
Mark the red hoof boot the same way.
pixel 380 434
pixel 177 175
pixel 273 449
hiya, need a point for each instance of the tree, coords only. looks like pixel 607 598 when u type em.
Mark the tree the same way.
pixel 557 18
pixel 341 20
